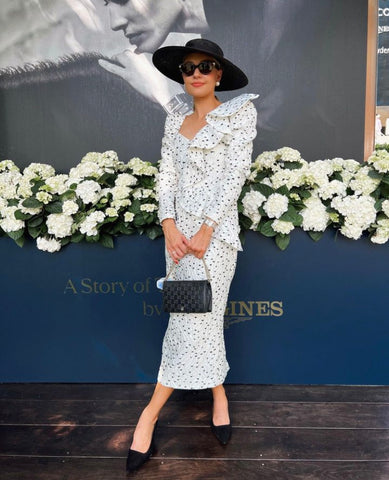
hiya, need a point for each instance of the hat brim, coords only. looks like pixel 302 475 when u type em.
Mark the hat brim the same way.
pixel 167 60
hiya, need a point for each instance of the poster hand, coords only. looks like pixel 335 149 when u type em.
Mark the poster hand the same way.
pixel 139 72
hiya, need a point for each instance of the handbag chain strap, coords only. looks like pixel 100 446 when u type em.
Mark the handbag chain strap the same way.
pixel 175 265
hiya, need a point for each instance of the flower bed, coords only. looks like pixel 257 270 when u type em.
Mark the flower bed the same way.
pixel 103 197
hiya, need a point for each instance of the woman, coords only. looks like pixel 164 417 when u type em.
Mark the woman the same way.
pixel 206 157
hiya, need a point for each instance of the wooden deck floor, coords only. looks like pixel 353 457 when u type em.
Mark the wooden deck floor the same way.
pixel 83 431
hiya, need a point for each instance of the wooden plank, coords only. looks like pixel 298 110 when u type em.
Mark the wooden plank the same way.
pixel 266 393
pixel 198 442
pixel 126 413
pixel 24 468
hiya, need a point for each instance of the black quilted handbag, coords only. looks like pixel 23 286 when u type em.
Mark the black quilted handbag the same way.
pixel 187 296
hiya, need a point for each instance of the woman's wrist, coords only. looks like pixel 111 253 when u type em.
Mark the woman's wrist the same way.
pixel 210 223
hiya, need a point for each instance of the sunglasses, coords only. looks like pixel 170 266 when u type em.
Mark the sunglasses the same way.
pixel 205 67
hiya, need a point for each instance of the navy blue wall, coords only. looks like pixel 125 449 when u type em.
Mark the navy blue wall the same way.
pixel 316 313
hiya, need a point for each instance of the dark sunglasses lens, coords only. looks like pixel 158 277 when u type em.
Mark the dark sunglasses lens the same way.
pixel 205 67
pixel 188 68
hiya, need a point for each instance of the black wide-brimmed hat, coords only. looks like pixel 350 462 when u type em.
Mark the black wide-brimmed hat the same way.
pixel 167 60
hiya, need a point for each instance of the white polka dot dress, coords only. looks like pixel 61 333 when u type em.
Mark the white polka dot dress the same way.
pixel 193 352
pixel 197 178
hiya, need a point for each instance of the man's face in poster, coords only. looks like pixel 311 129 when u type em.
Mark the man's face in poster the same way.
pixel 146 23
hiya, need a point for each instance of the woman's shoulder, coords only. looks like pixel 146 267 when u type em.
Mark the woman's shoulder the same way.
pixel 235 105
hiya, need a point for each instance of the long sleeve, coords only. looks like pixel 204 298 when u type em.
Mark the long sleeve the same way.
pixel 238 163
pixel 167 178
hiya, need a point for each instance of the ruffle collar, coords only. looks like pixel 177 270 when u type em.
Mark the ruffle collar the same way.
pixel 218 121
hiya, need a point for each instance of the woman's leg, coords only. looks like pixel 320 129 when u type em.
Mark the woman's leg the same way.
pixel 144 429
pixel 220 414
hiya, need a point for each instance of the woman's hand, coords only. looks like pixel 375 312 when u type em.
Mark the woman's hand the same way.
pixel 176 242
pixel 200 241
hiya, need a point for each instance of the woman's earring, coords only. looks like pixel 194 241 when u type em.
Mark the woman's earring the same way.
pixel 218 84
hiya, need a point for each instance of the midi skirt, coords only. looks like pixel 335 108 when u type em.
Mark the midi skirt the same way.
pixel 193 350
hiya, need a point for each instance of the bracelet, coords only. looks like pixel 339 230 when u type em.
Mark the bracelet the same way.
pixel 177 104
pixel 210 223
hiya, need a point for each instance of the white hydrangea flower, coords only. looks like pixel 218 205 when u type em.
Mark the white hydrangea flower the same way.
pixel 288 154
pixel 318 172
pixel 120 192
pixel 129 217
pixel 147 192
pixel 44 197
pixel 148 207
pixel 380 161
pixel 9 223
pixel 140 167
pixel 111 212
pixel 69 207
pixel 39 170
pixel 265 160
pixel 59 225
pixel 88 191
pixel 58 184
pixel 85 170
pixel 3 205
pixel 125 180
pixel 8 166
pixel 289 178
pixel 126 202
pixel 9 182
pixel 281 226
pixel 381 235
pixel 359 213
pixel 251 202
pixel 137 193
pixel 48 244
pixel 89 225
pixel 362 184
pixel 315 217
pixel 385 207
pixel 276 205
pixel 332 188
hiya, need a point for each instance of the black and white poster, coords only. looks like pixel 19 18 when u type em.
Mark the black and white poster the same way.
pixel 76 75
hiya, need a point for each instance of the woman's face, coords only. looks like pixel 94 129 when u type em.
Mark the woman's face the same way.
pixel 198 84
pixel 146 23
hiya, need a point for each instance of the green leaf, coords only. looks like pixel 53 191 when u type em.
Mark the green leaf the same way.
pixel 34 232
pixel 385 179
pixel 92 239
pixel 264 189
pixel 68 195
pixel 77 237
pixel 284 190
pixel 138 220
pixel 282 241
pixel 293 165
pixel 316 236
pixel 17 234
pixel 245 222
pixel 266 229
pixel 374 174
pixel 32 202
pixel 106 241
pixel 378 204
pixel 292 216
pixel 337 176
pixel 37 185
pixel 14 202
pixel 35 221
pixel 304 193
pixel 54 207
pixel 20 242
pixel 65 241
pixel 107 179
pixel 19 215
pixel 154 232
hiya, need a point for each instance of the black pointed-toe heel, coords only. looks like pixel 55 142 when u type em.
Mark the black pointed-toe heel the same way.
pixel 222 432
pixel 136 459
